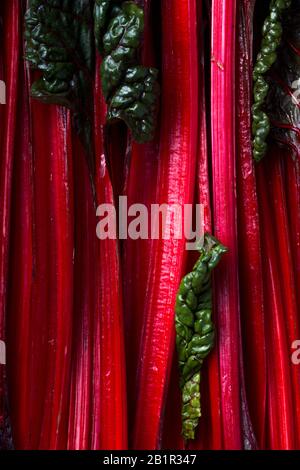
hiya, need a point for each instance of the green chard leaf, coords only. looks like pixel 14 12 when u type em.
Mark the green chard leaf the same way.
pixel 282 102
pixel 104 10
pixel 267 56
pixel 131 90
pixel 60 44
pixel 195 332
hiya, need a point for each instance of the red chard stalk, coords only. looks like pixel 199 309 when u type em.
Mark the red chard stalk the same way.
pixel 11 49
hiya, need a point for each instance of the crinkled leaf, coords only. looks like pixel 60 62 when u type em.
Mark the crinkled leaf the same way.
pixel 135 101
pixel 59 43
pixel 271 39
pixel 131 90
pixel 283 100
pixel 195 330
pixel 104 10
pixel 120 44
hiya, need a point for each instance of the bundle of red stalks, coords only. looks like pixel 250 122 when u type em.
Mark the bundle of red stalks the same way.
pixel 88 325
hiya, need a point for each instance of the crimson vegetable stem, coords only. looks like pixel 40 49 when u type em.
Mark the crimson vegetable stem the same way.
pixel 80 407
pixel 226 284
pixel 11 58
pixel 285 261
pixel 139 188
pixel 109 424
pixel 19 332
pixel 211 415
pixel 250 248
pixel 177 157
pixel 280 422
pixel 60 278
pixel 292 188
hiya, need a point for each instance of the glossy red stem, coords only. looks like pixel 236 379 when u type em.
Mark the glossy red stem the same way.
pixel 226 284
pixel 280 420
pixel 140 188
pixel 285 256
pixel 176 177
pixel 109 384
pixel 210 377
pixel 250 248
pixel 11 50
pixel 292 190
pixel 58 150
pixel 19 329
pixel 80 411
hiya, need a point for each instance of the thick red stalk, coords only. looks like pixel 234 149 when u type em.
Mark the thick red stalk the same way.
pixel 52 286
pixel 175 185
pixel 250 264
pixel 109 425
pixel 140 188
pixel 292 191
pixel 287 280
pixel 280 423
pixel 60 278
pixel 36 379
pixel 11 49
pixel 43 315
pixel 225 213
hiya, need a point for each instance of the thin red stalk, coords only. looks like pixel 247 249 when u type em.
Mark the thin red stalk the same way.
pixel 224 183
pixel 113 416
pixel 250 264
pixel 175 185
pixel 109 426
pixel 80 415
pixel 12 53
pixel 280 424
pixel 99 120
pixel 287 280
pixel 21 273
pixel 116 143
pixel 215 438
pixel 172 421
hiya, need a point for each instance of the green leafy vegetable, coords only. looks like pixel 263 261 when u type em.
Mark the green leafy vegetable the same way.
pixel 283 104
pixel 59 43
pixel 104 10
pixel 272 34
pixel 130 90
pixel 195 330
